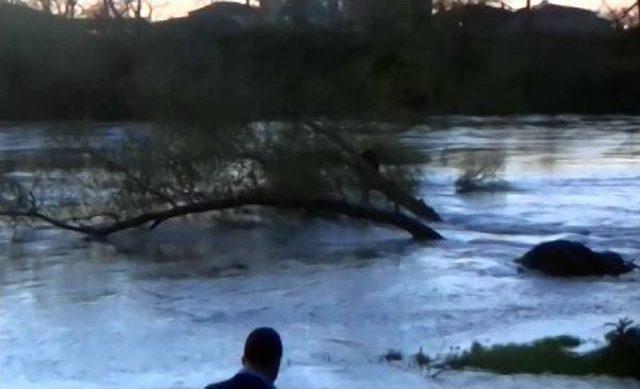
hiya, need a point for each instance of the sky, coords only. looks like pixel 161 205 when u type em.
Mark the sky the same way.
pixel 171 8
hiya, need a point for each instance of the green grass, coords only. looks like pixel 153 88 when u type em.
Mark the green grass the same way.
pixel 619 358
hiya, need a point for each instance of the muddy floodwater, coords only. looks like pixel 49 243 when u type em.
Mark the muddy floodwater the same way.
pixel 170 308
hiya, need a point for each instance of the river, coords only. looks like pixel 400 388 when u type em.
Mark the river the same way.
pixel 169 309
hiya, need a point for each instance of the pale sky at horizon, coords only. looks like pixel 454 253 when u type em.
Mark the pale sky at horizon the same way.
pixel 173 8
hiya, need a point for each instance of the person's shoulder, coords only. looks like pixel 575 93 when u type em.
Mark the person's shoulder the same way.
pixel 228 384
pixel 241 381
pixel 220 385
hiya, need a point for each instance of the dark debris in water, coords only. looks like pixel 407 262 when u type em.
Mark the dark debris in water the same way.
pixel 422 359
pixel 564 258
pixel 393 355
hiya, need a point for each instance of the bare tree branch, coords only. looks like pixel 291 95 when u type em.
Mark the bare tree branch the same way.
pixel 382 184
pixel 112 165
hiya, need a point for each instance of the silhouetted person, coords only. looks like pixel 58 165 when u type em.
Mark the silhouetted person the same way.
pixel 261 362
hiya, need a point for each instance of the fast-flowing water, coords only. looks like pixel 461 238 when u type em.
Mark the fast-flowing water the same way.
pixel 170 308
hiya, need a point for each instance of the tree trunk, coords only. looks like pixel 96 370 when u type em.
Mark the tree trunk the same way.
pixel 46 6
pixel 70 9
pixel 138 11
pixel 417 229
pixel 111 9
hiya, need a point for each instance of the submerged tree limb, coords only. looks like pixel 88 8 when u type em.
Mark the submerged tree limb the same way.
pixel 388 188
pixel 37 215
pixel 416 228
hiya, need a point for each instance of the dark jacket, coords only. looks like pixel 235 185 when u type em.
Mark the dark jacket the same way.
pixel 243 380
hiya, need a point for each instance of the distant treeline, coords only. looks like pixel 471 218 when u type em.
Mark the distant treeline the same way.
pixel 52 68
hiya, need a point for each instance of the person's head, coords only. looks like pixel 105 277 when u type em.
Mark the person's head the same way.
pixel 263 352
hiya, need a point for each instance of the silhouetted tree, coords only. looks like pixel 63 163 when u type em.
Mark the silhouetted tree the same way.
pixel 308 166
pixel 388 11
pixel 118 9
pixel 304 11
pixel 65 8
pixel 624 17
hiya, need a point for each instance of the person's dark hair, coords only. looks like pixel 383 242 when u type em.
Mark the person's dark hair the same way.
pixel 263 348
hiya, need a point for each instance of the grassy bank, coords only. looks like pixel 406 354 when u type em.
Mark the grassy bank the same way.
pixel 619 357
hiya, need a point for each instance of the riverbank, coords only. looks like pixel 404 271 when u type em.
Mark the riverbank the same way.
pixel 53 68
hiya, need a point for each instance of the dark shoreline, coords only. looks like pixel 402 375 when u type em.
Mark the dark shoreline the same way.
pixel 57 69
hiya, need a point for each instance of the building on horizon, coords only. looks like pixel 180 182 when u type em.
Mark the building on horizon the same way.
pixel 386 10
pixel 560 20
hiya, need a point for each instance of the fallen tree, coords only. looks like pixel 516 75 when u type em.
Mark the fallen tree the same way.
pixel 171 174
pixel 417 229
